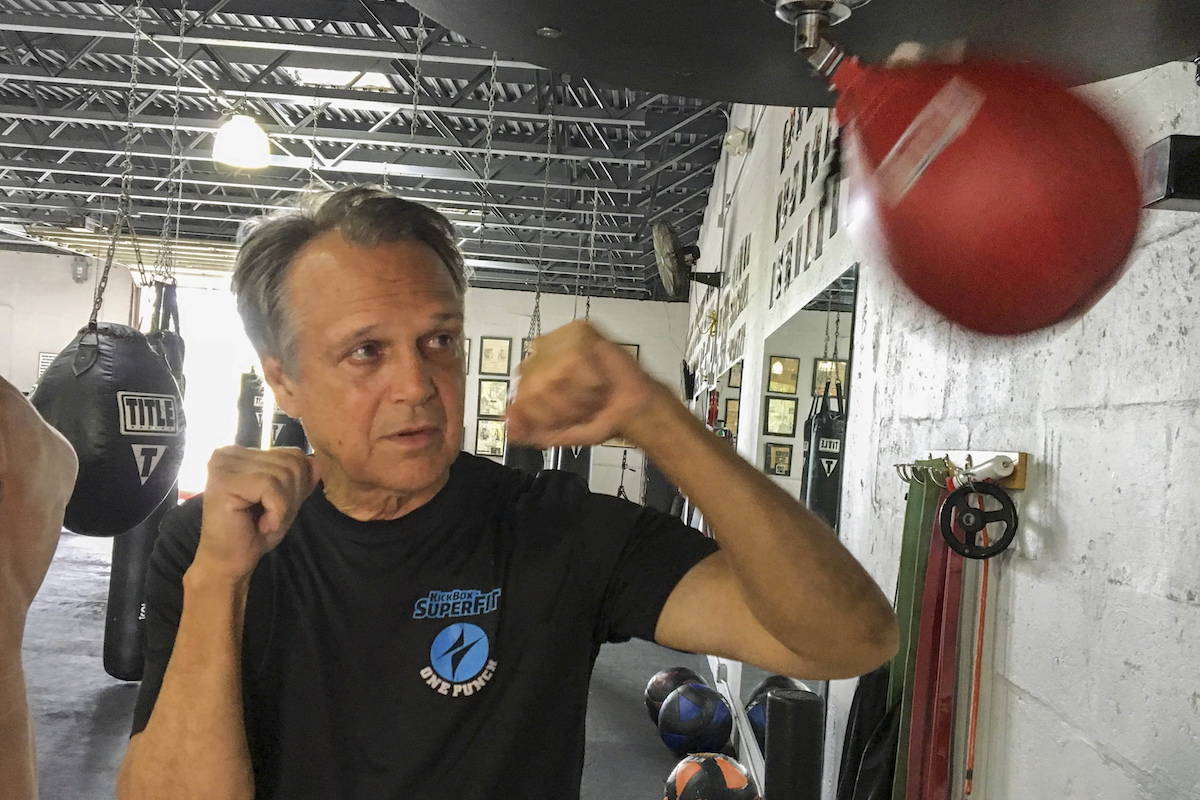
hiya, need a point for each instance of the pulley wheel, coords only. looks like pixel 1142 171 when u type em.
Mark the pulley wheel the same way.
pixel 962 523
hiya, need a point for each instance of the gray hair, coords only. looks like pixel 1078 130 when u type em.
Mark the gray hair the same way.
pixel 365 215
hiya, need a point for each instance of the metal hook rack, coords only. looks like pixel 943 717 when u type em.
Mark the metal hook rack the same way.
pixel 1007 469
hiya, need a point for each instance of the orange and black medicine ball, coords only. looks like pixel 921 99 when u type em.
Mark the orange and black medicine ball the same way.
pixel 710 776
pixel 1000 198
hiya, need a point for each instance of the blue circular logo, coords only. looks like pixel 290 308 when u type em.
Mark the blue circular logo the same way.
pixel 459 652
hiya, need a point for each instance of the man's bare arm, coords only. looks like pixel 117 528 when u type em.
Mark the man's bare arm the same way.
pixel 194 744
pixel 37 474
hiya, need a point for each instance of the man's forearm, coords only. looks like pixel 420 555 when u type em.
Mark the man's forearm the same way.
pixel 194 745
pixel 18 764
pixel 802 585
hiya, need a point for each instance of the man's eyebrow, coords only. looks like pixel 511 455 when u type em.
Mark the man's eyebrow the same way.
pixel 360 333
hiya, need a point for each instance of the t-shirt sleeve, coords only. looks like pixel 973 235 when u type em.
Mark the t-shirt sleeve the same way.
pixel 641 555
pixel 179 534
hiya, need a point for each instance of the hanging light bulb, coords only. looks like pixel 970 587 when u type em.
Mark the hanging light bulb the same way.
pixel 241 142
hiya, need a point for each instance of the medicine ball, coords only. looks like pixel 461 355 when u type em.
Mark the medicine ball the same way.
pixel 115 400
pixel 662 683
pixel 694 719
pixel 771 682
pixel 1001 198
pixel 710 776
pixel 756 713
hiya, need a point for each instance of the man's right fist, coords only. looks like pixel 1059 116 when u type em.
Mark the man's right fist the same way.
pixel 250 501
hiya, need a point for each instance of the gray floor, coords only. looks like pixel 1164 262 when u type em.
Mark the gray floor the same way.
pixel 82 715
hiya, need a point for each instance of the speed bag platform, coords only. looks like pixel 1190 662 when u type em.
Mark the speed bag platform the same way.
pixel 115 400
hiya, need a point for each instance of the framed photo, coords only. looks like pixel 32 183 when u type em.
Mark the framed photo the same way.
pixel 466 356
pixel 779 459
pixel 632 349
pixel 781 416
pixel 493 397
pixel 783 375
pixel 489 437
pixel 494 355
pixel 735 375
pixel 617 441
pixel 526 348
pixel 732 405
pixel 828 370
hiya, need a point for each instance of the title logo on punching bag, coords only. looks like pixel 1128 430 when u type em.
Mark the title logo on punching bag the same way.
pixel 147 414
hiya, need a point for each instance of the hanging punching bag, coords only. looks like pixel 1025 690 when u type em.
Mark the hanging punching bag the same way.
pixel 249 407
pixel 823 464
pixel 526 459
pixel 115 400
pixel 124 636
pixel 999 197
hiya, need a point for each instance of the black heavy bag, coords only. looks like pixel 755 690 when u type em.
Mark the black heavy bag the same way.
pixel 823 465
pixel 795 745
pixel 867 711
pixel 660 492
pixel 249 406
pixel 288 432
pixel 164 336
pixel 115 400
pixel 574 459
pixel 124 619
pixel 526 459
pixel 813 410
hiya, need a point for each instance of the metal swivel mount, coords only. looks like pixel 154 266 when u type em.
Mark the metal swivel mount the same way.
pixel 811 19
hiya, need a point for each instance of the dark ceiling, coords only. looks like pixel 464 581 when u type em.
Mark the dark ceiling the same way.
pixel 335 85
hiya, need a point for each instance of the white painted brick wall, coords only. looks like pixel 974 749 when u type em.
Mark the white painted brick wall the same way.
pixel 1092 687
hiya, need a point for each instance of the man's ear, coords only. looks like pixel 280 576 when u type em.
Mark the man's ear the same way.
pixel 283 387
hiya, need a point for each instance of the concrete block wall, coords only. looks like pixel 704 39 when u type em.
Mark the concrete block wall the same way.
pixel 1090 686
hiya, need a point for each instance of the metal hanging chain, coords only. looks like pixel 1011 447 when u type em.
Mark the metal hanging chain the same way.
pixel 837 334
pixel 164 265
pixel 420 37
pixel 587 311
pixel 535 319
pixel 313 178
pixel 124 202
pixel 828 314
pixel 487 149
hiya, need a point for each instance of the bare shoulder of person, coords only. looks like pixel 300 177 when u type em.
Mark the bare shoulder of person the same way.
pixel 32 454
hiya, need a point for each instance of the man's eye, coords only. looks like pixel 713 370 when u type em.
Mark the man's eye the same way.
pixel 444 340
pixel 365 352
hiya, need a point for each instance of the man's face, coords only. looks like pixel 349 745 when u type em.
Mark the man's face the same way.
pixel 378 379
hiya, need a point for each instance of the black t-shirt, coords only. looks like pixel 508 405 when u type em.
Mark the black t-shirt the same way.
pixel 445 654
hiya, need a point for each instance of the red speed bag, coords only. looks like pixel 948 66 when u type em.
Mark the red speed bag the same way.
pixel 999 197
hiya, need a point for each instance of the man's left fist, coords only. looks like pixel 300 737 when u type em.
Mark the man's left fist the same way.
pixel 578 388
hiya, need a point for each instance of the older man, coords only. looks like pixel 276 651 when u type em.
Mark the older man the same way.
pixel 424 623
pixel 37 473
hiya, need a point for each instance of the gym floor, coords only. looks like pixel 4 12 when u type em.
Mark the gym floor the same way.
pixel 82 715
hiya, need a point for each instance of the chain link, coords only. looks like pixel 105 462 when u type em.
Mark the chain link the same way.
pixel 164 265
pixel 837 334
pixel 828 314
pixel 124 202
pixel 587 311
pixel 535 319
pixel 420 37
pixel 313 178
pixel 487 149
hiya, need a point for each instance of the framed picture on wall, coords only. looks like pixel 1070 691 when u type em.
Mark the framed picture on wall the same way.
pixel 493 397
pixel 783 375
pixel 781 416
pixel 489 437
pixel 494 355
pixel 466 356
pixel 632 349
pixel 735 376
pixel 779 459
pixel 731 414
pixel 828 370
